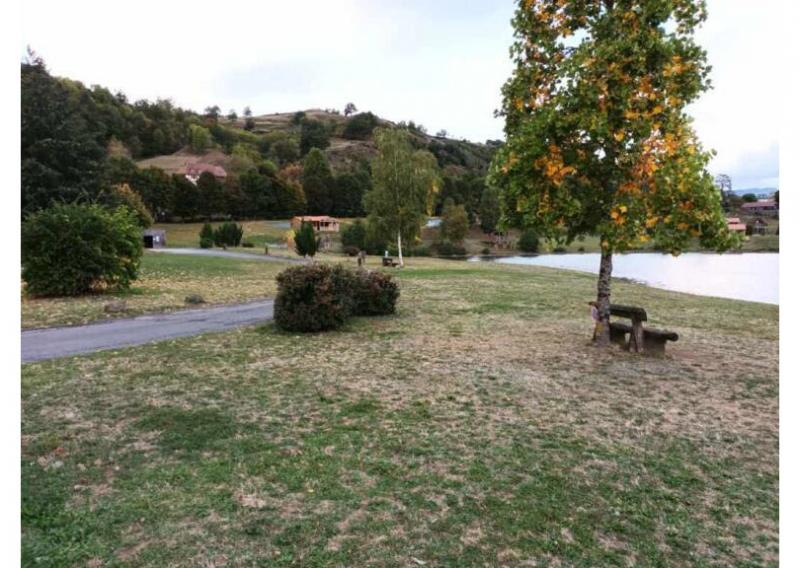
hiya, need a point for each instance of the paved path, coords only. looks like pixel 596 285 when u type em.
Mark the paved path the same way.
pixel 228 254
pixel 39 344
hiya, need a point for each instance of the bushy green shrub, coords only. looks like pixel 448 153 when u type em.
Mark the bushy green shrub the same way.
pixel 376 294
pixel 350 250
pixel 360 126
pixel 247 244
pixel 206 243
pixel 312 298
pixel 69 250
pixel 528 241
pixel 228 234
pixel 317 297
pixel 207 234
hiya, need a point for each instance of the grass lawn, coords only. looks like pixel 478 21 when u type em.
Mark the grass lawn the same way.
pixel 477 427
pixel 257 232
pixel 164 282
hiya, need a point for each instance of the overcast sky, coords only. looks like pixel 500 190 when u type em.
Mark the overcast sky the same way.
pixel 439 63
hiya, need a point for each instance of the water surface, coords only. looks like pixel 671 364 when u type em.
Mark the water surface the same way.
pixel 746 276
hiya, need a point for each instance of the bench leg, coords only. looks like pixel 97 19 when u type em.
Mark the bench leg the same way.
pixel 636 344
pixel 656 346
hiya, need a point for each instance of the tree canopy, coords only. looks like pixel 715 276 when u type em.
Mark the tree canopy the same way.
pixel 404 183
pixel 598 141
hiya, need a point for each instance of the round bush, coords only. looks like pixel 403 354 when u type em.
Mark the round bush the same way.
pixel 375 295
pixel 528 241
pixel 69 250
pixel 206 243
pixel 315 297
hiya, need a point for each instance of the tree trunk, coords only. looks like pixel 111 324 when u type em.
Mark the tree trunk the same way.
pixel 604 298
pixel 399 249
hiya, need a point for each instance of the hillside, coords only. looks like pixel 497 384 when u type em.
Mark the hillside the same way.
pixel 458 156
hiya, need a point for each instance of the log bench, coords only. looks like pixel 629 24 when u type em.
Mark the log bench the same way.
pixel 389 261
pixel 634 336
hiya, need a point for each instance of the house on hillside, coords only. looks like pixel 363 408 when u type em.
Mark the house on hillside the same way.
pixel 762 206
pixel 321 223
pixel 324 227
pixel 194 171
pixel 735 225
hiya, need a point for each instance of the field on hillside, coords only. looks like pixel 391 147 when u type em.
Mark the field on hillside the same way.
pixel 257 232
pixel 477 427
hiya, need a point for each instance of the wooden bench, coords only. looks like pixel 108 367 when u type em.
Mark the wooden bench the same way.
pixel 639 339
pixel 389 261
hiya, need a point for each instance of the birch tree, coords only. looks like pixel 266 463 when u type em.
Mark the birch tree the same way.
pixel 404 183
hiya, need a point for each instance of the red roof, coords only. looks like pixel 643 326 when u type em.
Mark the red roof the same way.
pixel 759 204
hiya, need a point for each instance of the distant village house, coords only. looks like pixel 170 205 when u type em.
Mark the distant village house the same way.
pixel 323 225
pixel 767 206
pixel 194 171
pixel 735 225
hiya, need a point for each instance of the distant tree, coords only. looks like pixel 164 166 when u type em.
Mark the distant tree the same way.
pixel 187 198
pixel 305 241
pixel 442 133
pixel 212 197
pixel 249 124
pixel 247 112
pixel 285 150
pixel 354 235
pixel 528 241
pixel 489 210
pixel 749 198
pixel 723 182
pixel 212 112
pixel 404 181
pixel 207 234
pixel 122 195
pixel 232 116
pixel 292 196
pixel 598 140
pixel 199 138
pixel 157 191
pixel 455 223
pixel 360 126
pixel 318 183
pixel 349 109
pixel 313 134
pixel 298 118
pixel 350 188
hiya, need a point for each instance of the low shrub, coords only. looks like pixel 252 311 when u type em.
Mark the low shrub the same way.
pixel 312 298
pixel 317 297
pixel 485 250
pixel 73 249
pixel 247 244
pixel 419 250
pixel 350 250
pixel 376 294
pixel 559 250
pixel 228 234
pixel 207 234
pixel 206 243
pixel 528 241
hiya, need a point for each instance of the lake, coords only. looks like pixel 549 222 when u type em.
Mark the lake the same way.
pixel 746 276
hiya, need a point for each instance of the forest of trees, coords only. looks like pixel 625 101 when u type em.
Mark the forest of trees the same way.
pixel 80 143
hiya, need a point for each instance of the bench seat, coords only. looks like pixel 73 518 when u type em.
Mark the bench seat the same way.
pixel 655 340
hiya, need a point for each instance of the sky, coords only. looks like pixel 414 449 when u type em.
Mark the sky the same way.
pixel 440 64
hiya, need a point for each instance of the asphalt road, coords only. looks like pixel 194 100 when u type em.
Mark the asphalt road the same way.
pixel 50 343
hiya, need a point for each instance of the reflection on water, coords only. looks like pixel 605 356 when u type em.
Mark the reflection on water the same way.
pixel 747 276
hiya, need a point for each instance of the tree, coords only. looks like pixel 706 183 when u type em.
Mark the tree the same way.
pixel 212 112
pixel 404 182
pixel 187 198
pixel 598 141
pixel 199 138
pixel 455 223
pixel 122 195
pixel 305 241
pixel 212 198
pixel 489 210
pixel 442 133
pixel 249 124
pixel 350 188
pixel 232 116
pixel 360 126
pixel 247 112
pixel 313 134
pixel 318 183
pixel 749 198
pixel 349 109
pixel 354 235
pixel 285 150
pixel 61 150
pixel 723 182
